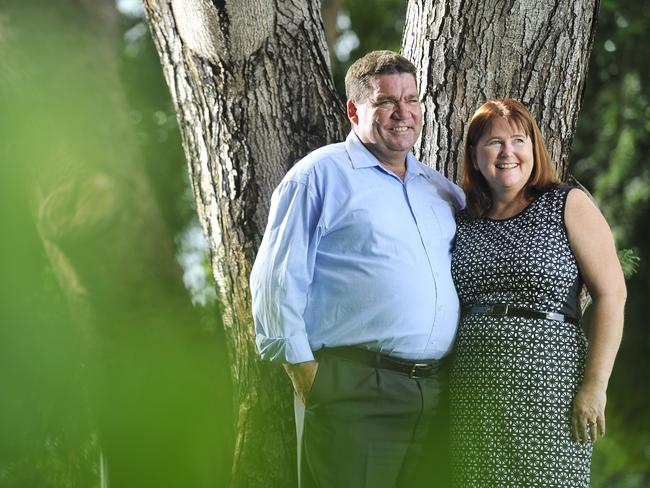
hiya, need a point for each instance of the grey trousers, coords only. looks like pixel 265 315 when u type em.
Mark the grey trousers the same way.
pixel 362 426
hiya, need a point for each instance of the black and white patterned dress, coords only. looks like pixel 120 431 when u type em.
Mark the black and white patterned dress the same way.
pixel 513 379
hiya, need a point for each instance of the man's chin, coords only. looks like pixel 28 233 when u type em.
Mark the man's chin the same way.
pixel 401 146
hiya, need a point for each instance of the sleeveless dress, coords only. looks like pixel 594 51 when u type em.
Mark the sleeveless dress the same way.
pixel 513 379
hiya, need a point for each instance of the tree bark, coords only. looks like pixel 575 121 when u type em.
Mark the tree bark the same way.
pixel 251 85
pixel 468 52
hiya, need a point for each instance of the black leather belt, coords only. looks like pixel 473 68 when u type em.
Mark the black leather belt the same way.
pixel 414 369
pixel 505 310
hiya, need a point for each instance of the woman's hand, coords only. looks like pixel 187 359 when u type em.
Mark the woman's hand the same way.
pixel 588 415
pixel 593 246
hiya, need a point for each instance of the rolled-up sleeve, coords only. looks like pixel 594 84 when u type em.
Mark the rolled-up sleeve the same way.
pixel 282 273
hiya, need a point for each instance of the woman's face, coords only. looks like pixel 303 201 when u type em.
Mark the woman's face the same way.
pixel 504 156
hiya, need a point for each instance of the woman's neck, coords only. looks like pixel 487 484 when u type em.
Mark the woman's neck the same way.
pixel 506 206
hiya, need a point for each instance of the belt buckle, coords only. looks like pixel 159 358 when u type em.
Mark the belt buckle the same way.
pixel 500 309
pixel 554 316
pixel 415 367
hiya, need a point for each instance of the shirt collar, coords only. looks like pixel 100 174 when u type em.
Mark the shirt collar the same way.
pixel 362 158
pixel 359 155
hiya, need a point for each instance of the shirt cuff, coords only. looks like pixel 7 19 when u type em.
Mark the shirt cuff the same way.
pixel 293 350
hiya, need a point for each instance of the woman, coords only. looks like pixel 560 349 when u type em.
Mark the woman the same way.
pixel 527 392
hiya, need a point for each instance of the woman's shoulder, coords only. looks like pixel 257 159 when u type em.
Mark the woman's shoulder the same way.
pixel 462 217
pixel 578 201
pixel 565 203
pixel 570 195
pixel 556 196
pixel 466 221
pixel 558 190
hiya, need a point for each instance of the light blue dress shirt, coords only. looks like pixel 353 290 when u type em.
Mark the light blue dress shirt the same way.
pixel 353 255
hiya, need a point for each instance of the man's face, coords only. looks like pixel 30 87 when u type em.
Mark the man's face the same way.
pixel 389 121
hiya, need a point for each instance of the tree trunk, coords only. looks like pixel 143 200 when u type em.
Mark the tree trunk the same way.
pixel 469 52
pixel 253 94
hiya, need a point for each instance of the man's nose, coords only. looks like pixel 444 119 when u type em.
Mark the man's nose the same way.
pixel 401 110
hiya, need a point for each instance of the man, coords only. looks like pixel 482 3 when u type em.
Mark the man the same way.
pixel 352 288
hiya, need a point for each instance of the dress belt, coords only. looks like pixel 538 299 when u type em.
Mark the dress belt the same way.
pixel 414 369
pixel 506 310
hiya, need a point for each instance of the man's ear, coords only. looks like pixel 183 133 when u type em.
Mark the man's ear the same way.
pixel 352 112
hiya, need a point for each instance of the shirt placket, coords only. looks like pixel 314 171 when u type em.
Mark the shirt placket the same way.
pixel 428 237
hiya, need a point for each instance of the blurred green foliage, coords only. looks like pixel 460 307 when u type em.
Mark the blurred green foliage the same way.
pixel 629 262
pixel 109 373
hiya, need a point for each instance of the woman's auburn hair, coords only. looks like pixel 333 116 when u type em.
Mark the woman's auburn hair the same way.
pixel 543 176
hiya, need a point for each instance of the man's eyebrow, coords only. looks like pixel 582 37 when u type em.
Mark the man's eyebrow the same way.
pixel 389 98
pixel 385 98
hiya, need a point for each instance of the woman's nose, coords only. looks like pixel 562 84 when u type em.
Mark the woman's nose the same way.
pixel 506 147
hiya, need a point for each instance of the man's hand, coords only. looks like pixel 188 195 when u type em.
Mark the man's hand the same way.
pixel 302 377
